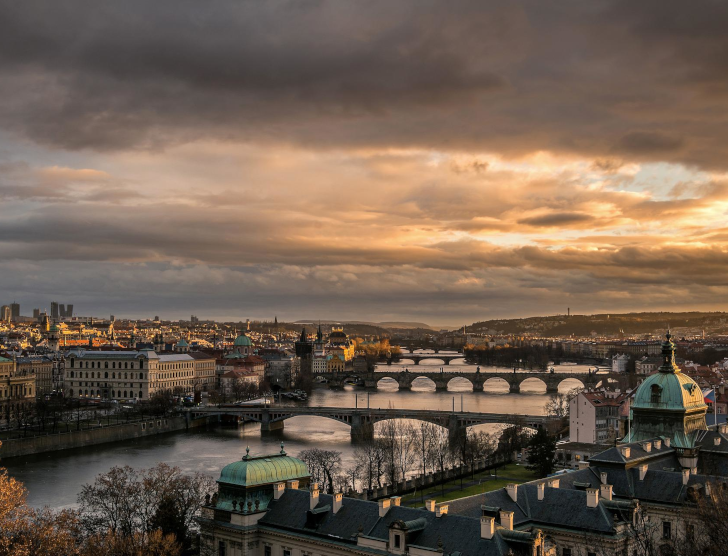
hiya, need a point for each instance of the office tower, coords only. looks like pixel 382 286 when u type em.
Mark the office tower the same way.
pixel 5 313
pixel 14 310
pixel 69 310
pixel 54 310
pixel 61 310
pixel 36 314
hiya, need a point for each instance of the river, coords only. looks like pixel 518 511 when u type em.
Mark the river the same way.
pixel 55 479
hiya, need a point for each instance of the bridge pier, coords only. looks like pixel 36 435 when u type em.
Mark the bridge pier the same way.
pixel 360 428
pixel 514 387
pixel 440 386
pixel 552 388
pixel 416 361
pixel 267 425
pixel 446 361
pixel 455 431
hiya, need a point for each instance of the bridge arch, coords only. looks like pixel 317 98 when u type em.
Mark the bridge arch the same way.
pixel 460 380
pixel 423 381
pixel 532 381
pixel 387 382
pixel 569 384
pixel 498 381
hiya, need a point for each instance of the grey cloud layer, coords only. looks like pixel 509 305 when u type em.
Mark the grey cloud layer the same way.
pixel 641 80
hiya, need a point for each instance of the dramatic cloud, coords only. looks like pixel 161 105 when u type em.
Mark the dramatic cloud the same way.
pixel 445 162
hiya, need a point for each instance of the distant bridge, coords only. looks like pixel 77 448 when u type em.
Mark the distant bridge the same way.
pixel 417 357
pixel 362 421
pixel 552 381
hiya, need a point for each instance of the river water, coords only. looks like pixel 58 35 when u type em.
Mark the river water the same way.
pixel 55 479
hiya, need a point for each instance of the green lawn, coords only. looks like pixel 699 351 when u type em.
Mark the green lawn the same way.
pixel 485 483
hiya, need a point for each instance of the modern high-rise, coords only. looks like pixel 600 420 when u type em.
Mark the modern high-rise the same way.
pixel 69 310
pixel 61 310
pixel 54 310
pixel 15 310
pixel 36 314
pixel 5 313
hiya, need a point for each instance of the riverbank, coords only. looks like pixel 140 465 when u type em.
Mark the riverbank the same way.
pixel 103 434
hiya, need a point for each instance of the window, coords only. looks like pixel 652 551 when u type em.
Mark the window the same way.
pixel 666 529
pixel 655 394
pixel 221 548
pixel 397 541
pixel 286 552
pixel 690 532
pixel 566 552
pixel 267 551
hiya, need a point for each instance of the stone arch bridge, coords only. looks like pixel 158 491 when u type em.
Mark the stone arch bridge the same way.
pixel 417 357
pixel 477 379
pixel 362 421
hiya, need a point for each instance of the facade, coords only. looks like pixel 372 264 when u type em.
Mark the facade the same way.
pixel 126 374
pixel 619 363
pixel 42 368
pixel 647 365
pixel 594 416
pixel 204 376
pixel 17 388
pixel 261 509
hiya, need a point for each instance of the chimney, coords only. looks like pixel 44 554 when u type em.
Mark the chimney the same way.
pixel 603 477
pixel 686 476
pixel 716 441
pixel 487 527
pixel 441 510
pixel 592 498
pixel 278 489
pixel 540 488
pixel 293 485
pixel 553 483
pixel 625 451
pixel 512 489
pixel 643 471
pixel 314 495
pixel 605 491
pixel 658 444
pixel 506 520
pixel 667 442
pixel 647 446
pixel 395 500
pixel 384 504
pixel 583 465
pixel 707 489
pixel 338 498
pixel 430 505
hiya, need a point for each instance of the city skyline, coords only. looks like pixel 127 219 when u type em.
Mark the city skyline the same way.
pixel 399 161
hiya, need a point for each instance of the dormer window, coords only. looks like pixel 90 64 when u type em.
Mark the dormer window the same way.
pixel 397 541
pixel 655 394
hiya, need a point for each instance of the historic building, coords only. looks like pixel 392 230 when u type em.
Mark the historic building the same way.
pixel 263 508
pixel 17 388
pixel 127 374
pixel 40 366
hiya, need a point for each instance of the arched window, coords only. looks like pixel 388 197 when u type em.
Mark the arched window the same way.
pixel 125 393
pixel 126 375
pixel 70 392
pixel 71 363
pixel 71 374
pixel 87 374
pixel 655 394
pixel 106 364
pixel 113 375
pixel 140 395
pixel 113 394
pixel 141 376
pixel 141 363
pixel 106 375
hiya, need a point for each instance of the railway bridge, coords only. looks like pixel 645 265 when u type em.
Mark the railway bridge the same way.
pixel 362 421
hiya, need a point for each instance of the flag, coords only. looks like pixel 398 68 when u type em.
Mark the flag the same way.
pixel 709 396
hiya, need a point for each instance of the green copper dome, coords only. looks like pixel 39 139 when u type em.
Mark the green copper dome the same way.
pixel 243 341
pixel 668 404
pixel 669 388
pixel 254 471
pixel 182 343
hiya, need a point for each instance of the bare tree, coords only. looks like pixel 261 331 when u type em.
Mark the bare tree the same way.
pixel 324 466
pixel 371 457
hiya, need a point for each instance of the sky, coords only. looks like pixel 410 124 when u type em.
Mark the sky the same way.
pixel 445 162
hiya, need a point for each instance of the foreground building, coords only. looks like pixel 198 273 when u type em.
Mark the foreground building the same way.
pixel 262 509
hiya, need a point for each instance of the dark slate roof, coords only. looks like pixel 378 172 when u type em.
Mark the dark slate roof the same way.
pixel 456 533
pixel 637 453
pixel 561 507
